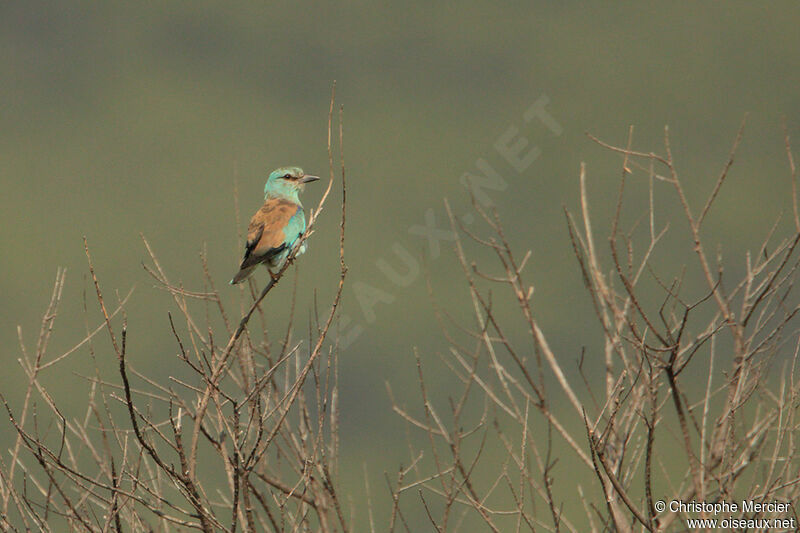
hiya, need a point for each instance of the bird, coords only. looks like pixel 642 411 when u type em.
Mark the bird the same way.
pixel 275 227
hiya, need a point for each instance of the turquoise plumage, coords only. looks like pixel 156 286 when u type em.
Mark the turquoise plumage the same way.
pixel 275 227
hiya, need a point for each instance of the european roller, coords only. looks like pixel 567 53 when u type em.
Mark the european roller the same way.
pixel 278 224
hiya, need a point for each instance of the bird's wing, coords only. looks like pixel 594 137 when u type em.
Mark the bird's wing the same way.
pixel 272 229
pixel 295 227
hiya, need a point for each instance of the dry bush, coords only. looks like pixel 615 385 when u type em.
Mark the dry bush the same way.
pixel 264 416
pixel 648 435
pixel 147 452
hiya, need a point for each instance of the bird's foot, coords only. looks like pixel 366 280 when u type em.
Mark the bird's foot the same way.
pixel 273 276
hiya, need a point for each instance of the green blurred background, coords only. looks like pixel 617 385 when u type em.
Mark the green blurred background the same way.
pixel 124 118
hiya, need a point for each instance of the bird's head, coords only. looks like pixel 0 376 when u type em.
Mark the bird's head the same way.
pixel 286 182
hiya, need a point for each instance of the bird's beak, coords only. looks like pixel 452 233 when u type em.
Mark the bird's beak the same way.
pixel 307 178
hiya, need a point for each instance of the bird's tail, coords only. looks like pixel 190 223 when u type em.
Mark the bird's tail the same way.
pixel 243 274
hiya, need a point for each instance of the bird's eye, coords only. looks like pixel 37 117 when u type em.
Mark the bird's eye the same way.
pixel 287 176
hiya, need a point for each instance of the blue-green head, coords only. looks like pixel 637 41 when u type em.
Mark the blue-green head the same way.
pixel 286 182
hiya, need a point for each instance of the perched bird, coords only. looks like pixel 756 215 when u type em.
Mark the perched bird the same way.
pixel 278 224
